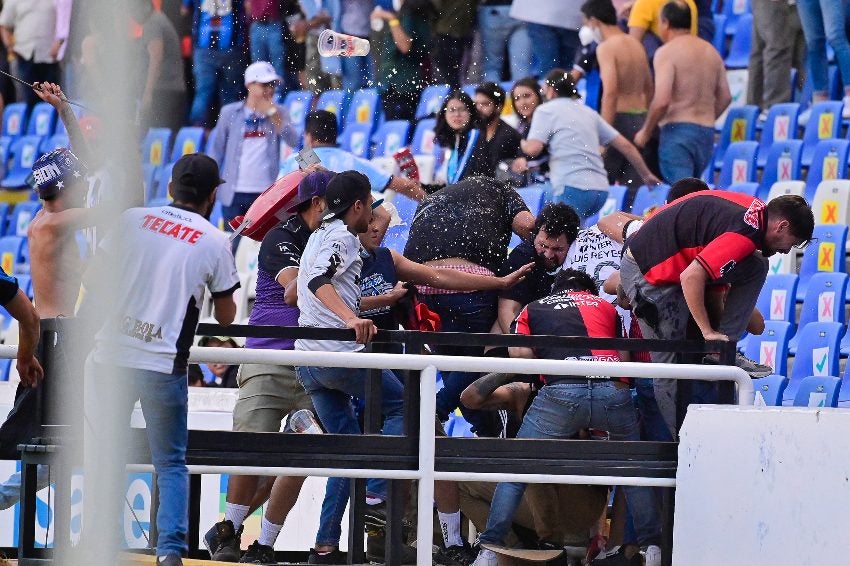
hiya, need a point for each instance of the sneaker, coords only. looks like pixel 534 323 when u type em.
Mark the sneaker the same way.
pixel 762 117
pixel 375 516
pixel 223 542
pixel 755 370
pixel 616 557
pixel 333 557
pixel 170 560
pixel 486 558
pixel 651 555
pixel 456 555
pixel 804 117
pixel 259 554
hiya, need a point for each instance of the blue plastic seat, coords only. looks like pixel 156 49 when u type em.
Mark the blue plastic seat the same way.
pixel 54 142
pixel 825 253
pixel 149 175
pixel 14 120
pixel 818 391
pixel 396 238
pixel 11 253
pixel 5 154
pixel 778 297
pixel 749 189
pixel 824 124
pixel 356 139
pixel 739 164
pixel 4 217
pixel 782 164
pixel 297 103
pixel 739 126
pixel 771 346
pixel 217 216
pixel 824 302
pixel 25 284
pixel 829 162
pixel 21 216
pixel 817 354
pixel 770 389
pixel 649 198
pixel 163 177
pixel 742 43
pixel 156 147
pixel 423 137
pixel 719 39
pixel 534 198
pixel 364 109
pixel 42 120
pixel 189 140
pixel 780 126
pixel 390 137
pixel 25 150
pixel 734 10
pixel 613 203
pixel 333 101
pixel 431 100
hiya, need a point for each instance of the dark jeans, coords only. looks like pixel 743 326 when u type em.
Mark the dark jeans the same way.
pixel 218 75
pixel 463 312
pixel 447 57
pixel 684 150
pixel 553 47
pixel 35 72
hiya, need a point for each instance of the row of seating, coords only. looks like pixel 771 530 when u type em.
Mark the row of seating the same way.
pixel 812 391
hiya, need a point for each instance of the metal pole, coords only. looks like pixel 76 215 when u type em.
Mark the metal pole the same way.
pixel 425 501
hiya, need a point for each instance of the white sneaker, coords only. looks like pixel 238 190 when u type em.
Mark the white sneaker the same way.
pixel 804 116
pixel 651 555
pixel 489 558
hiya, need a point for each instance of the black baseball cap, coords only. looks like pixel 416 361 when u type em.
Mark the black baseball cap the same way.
pixel 194 176
pixel 345 189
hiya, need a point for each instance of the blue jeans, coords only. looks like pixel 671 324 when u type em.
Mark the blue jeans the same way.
pixel 217 74
pixel 652 423
pixel 463 312
pixel 165 400
pixel 561 411
pixel 267 45
pixel 331 390
pixel 498 30
pixel 554 47
pixel 684 150
pixel 822 21
pixel 586 202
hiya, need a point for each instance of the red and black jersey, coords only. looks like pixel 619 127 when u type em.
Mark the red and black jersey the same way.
pixel 716 228
pixel 571 313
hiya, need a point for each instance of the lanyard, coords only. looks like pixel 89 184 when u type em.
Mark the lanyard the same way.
pixel 454 170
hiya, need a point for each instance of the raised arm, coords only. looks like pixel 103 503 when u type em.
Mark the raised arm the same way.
pixel 53 95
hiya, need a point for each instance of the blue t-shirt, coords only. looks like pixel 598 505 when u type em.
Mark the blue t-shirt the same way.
pixel 339 160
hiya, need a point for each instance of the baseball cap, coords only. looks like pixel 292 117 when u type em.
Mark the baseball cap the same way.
pixel 345 189
pixel 53 170
pixel 195 175
pixel 313 185
pixel 261 72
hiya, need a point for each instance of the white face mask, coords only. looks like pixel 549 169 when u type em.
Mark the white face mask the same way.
pixel 588 35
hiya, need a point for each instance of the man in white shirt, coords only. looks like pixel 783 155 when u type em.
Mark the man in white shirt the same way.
pixel 28 30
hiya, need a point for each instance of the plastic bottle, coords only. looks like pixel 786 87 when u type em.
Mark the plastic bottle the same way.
pixel 332 43
pixel 304 421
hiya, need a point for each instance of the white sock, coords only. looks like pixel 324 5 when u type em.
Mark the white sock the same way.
pixel 450 526
pixel 268 532
pixel 373 500
pixel 236 513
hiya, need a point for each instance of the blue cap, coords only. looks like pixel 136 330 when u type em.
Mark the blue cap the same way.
pixel 53 171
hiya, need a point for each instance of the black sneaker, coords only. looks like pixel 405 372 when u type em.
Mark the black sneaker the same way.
pixel 170 560
pixel 455 555
pixel 223 542
pixel 259 554
pixel 376 547
pixel 333 557
pixel 375 516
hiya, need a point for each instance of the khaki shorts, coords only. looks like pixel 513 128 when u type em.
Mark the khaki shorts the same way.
pixel 267 394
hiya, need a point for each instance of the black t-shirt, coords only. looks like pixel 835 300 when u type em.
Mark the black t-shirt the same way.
pixel 536 284
pixel 486 156
pixel 470 220
pixel 8 287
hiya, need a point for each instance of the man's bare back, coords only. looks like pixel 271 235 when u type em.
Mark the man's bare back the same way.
pixel 693 71
pixel 623 55
pixel 55 265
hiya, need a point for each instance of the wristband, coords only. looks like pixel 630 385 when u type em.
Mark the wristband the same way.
pixel 394 22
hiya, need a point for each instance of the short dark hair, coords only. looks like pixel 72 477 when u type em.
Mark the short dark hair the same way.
pixel 796 211
pixel 558 218
pixel 602 10
pixel 563 83
pixel 443 133
pixel 492 91
pixel 677 14
pixel 322 126
pixel 685 186
pixel 574 280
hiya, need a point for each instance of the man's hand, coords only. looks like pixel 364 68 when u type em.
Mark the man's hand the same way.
pixel 519 165
pixel 364 329
pixel 385 15
pixel 641 138
pixel 398 292
pixel 55 47
pixel 50 93
pixel 651 180
pixel 714 335
pixel 30 371
pixel 513 278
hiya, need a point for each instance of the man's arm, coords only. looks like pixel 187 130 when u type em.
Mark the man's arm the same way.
pixel 224 309
pixel 156 53
pixel 29 331
pixel 631 153
pixel 664 76
pixel 288 279
pixel 491 392
pixel 637 32
pixel 407 187
pixel 364 329
pixel 523 224
pixel 521 352
pixel 53 95
pixel 612 225
pixel 409 270
pixel 508 311
pixel 610 86
pixel 532 148
pixel 693 280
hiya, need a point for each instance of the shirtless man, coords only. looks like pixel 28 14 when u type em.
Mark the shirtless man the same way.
pixel 626 84
pixel 690 93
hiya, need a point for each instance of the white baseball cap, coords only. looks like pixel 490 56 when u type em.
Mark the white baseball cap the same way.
pixel 261 72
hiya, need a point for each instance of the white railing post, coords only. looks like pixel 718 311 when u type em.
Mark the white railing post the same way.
pixel 425 500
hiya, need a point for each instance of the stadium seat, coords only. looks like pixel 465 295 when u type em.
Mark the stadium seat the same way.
pixel 4 217
pixel 25 284
pixel 780 188
pixel 423 137
pixel 739 164
pixel 771 346
pixel 769 390
pixel 364 109
pixel 54 142
pixel 749 189
pixel 829 162
pixel 817 354
pixel 648 199
pixel 396 238
pixel 719 39
pixel 733 10
pixel 780 126
pixel 831 202
pixel 42 120
pixel 825 253
pixel 216 217
pixel 824 124
pixel 11 253
pixel 355 139
pixel 778 297
pixel 156 146
pixel 188 140
pixel 297 103
pixel 782 163
pixel 163 177
pixel 739 126
pixel 390 137
pixel 613 203
pixel 431 100
pixel 24 150
pixel 742 43
pixel 5 154
pixel 332 101
pixel 824 302
pixel 14 120
pixel 149 176
pixel 247 252
pixel 21 216
pixel 818 391
pixel 534 198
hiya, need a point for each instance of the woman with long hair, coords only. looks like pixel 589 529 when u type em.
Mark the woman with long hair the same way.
pixel 456 140
pixel 526 96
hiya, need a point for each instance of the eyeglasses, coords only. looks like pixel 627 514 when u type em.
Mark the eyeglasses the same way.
pixel 523 96
pixel 484 104
pixel 457 110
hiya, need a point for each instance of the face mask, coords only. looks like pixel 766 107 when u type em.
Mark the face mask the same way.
pixel 588 35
